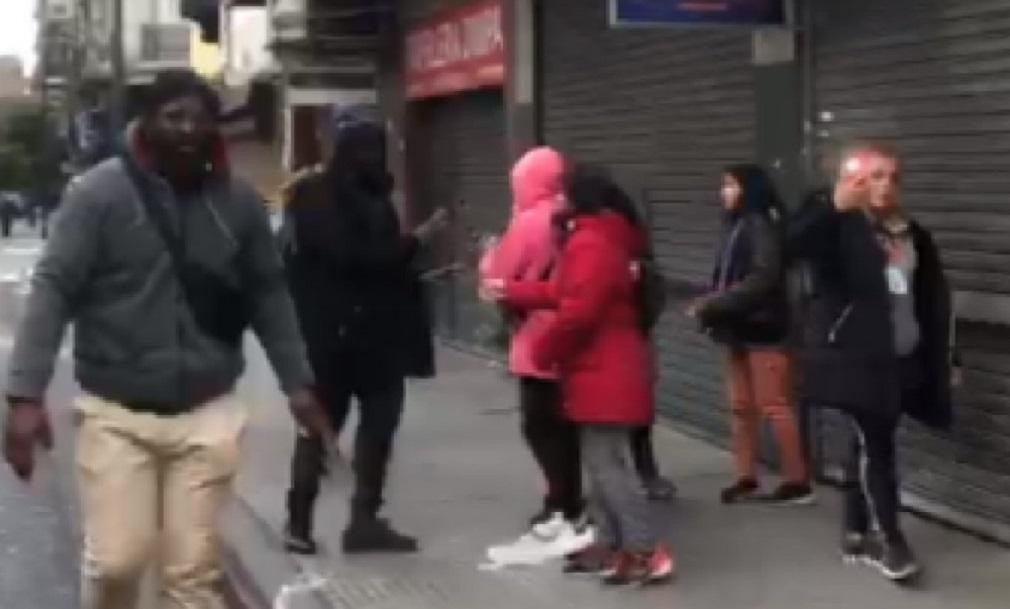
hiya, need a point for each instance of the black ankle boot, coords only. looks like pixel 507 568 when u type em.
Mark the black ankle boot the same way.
pixel 298 529
pixel 301 499
pixel 367 534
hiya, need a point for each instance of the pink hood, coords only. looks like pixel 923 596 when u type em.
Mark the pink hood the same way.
pixel 527 250
pixel 537 179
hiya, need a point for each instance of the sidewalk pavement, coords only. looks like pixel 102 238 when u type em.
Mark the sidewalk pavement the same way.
pixel 462 481
pixel 38 521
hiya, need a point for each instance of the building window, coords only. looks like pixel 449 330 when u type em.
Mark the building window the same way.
pixel 165 42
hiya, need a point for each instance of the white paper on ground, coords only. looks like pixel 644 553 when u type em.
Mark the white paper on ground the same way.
pixel 300 587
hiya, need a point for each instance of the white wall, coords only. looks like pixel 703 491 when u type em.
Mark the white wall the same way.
pixel 245 38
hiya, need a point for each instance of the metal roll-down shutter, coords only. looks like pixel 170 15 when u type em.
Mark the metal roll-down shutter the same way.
pixel 933 78
pixel 458 159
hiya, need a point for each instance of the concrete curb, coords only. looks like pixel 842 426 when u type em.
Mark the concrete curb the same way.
pixel 255 564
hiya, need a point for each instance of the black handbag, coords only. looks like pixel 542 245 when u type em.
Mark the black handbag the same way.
pixel 220 308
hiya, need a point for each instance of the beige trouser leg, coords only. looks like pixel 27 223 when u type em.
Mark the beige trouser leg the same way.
pixel 118 472
pixel 155 483
pixel 203 455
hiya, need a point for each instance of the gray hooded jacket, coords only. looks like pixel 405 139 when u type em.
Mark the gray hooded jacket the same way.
pixel 106 269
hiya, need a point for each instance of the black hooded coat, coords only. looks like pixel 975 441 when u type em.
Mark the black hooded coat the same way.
pixel 350 267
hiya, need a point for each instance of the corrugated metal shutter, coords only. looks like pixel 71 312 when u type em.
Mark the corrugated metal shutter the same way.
pixel 458 157
pixel 670 107
pixel 931 76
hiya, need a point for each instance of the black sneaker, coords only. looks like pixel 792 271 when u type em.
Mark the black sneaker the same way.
pixel 894 560
pixel 744 489
pixel 790 493
pixel 659 489
pixel 375 535
pixel 297 543
pixel 854 547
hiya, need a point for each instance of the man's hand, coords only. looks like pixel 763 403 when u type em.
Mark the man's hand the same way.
pixel 27 428
pixel 956 377
pixel 434 225
pixel 309 414
pixel 697 305
pixel 488 242
pixel 492 290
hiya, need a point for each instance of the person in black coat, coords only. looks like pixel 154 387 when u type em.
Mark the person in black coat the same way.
pixel 747 311
pixel 360 306
pixel 877 340
pixel 8 212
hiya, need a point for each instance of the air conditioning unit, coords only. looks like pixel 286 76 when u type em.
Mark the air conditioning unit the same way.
pixel 289 18
pixel 165 43
pixel 59 10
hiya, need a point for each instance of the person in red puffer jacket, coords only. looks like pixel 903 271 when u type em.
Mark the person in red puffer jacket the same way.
pixel 605 366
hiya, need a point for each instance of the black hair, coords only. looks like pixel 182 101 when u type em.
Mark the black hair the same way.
pixel 757 190
pixel 590 189
pixel 170 85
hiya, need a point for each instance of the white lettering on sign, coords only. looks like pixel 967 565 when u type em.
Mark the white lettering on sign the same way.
pixel 473 37
pixel 482 33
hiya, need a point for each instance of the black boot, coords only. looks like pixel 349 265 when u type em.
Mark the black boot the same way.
pixel 298 530
pixel 366 531
pixel 305 471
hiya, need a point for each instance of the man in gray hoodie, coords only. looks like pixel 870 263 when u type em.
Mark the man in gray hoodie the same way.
pixel 160 259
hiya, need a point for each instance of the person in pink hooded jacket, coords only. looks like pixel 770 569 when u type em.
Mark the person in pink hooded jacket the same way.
pixel 527 252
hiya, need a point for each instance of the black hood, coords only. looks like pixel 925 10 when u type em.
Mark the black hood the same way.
pixel 359 157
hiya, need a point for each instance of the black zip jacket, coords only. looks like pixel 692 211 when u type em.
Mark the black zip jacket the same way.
pixel 847 356
pixel 752 310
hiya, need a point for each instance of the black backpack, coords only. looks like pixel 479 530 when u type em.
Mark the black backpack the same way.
pixel 652 292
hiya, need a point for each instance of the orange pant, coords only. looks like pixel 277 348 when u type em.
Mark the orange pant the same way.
pixel 760 386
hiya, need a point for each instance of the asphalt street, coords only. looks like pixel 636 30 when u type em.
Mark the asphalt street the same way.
pixel 38 531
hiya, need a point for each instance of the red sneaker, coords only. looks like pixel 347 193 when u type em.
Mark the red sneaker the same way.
pixel 618 572
pixel 643 568
pixel 662 566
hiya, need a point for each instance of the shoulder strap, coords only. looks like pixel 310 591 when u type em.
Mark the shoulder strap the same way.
pixel 154 211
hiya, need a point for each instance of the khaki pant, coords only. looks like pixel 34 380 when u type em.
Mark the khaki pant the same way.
pixel 152 489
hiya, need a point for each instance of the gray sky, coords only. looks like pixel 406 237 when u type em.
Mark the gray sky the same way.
pixel 17 30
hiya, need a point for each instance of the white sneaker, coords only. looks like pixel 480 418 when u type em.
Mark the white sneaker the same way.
pixel 572 539
pixel 532 549
pixel 529 550
pixel 550 528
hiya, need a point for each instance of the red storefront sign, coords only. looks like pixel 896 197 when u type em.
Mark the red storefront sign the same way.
pixel 458 50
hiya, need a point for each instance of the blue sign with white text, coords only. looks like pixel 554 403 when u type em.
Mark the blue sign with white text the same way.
pixel 686 12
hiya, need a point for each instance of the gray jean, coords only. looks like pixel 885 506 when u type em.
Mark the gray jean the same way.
pixel 620 510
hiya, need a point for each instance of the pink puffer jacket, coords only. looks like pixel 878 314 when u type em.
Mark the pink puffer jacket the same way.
pixel 527 251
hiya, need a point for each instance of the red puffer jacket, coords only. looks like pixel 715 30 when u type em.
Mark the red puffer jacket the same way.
pixel 596 344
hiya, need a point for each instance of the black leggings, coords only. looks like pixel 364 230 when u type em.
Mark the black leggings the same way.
pixel 642 454
pixel 554 442
pixel 871 494
pixel 381 408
